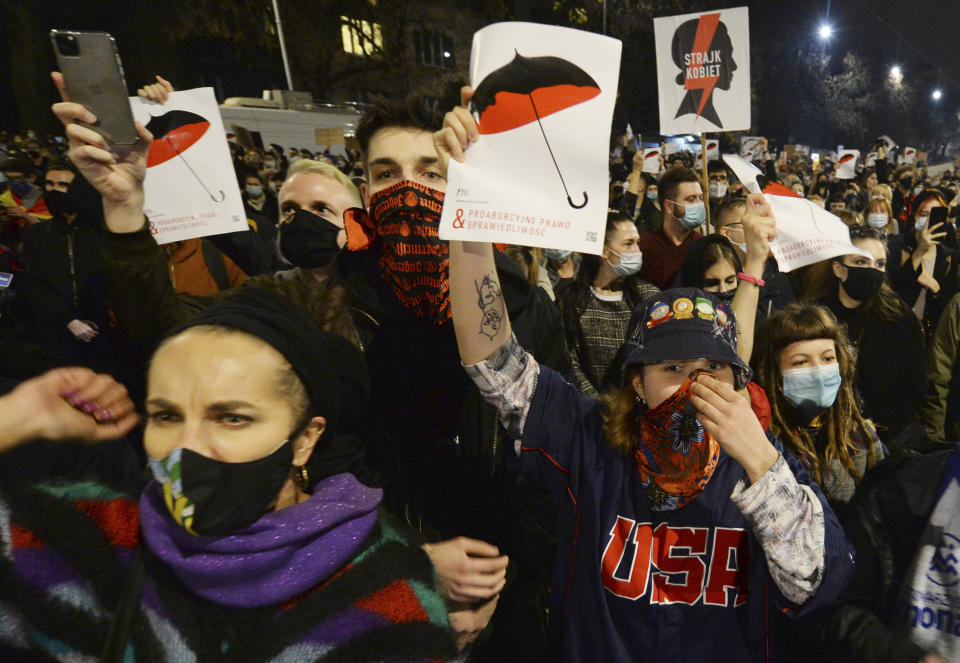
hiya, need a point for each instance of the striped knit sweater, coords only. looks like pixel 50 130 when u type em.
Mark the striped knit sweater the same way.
pixel 65 550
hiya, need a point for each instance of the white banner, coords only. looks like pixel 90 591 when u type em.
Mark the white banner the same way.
pixel 651 160
pixel 703 71
pixel 847 164
pixel 537 176
pixel 191 189
pixel 751 147
pixel 806 233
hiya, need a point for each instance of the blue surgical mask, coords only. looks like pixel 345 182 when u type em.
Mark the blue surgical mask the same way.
pixel 878 221
pixel 812 389
pixel 254 191
pixel 557 255
pixel 630 263
pixel 651 195
pixel 921 223
pixel 694 215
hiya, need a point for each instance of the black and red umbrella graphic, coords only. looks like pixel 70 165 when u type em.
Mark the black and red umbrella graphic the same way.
pixel 528 89
pixel 173 134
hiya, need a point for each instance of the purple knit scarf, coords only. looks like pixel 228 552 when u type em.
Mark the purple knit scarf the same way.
pixel 283 554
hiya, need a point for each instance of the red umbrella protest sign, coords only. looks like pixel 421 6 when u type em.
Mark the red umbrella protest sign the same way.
pixel 528 89
pixel 174 132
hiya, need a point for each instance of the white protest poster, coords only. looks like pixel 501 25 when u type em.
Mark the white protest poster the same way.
pixel 806 233
pixel 537 176
pixel 651 160
pixel 713 150
pixel 751 147
pixel 909 155
pixel 888 143
pixel 703 71
pixel 847 164
pixel 870 160
pixel 191 189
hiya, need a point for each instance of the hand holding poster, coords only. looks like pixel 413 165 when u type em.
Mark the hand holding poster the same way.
pixel 697 56
pixel 847 164
pixel 806 233
pixel 651 160
pixel 190 188
pixel 537 176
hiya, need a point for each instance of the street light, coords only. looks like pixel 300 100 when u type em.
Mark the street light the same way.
pixel 825 31
pixel 895 71
pixel 937 94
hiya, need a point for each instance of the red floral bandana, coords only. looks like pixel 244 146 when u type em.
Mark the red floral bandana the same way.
pixel 676 456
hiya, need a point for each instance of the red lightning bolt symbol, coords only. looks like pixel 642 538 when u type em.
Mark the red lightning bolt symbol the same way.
pixel 706 28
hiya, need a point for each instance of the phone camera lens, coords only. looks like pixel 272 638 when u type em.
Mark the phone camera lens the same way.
pixel 67 45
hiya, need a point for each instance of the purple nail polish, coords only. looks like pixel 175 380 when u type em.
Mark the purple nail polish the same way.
pixel 89 408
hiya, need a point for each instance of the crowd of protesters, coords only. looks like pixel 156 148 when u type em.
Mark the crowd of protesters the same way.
pixel 355 448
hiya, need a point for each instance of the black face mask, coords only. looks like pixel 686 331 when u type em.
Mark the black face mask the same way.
pixel 862 282
pixel 726 297
pixel 213 498
pixel 59 203
pixel 308 240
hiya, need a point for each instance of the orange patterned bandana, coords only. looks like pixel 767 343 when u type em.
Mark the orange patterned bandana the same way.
pixel 414 261
pixel 676 456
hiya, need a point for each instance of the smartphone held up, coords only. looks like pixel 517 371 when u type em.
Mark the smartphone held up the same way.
pixel 93 76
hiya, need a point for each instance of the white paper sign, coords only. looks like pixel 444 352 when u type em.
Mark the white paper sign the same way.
pixel 909 155
pixel 888 143
pixel 751 147
pixel 651 160
pixel 703 71
pixel 713 150
pixel 191 188
pixel 537 176
pixel 806 233
pixel 871 160
pixel 847 164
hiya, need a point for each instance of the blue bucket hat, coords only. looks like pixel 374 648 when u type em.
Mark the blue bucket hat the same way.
pixel 683 324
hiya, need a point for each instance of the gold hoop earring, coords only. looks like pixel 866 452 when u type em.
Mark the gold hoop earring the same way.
pixel 302 478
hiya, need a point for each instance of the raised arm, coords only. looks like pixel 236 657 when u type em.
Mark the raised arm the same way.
pixel 759 228
pixel 480 317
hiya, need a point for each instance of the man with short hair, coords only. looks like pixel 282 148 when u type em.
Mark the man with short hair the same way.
pixel 681 199
pixel 444 458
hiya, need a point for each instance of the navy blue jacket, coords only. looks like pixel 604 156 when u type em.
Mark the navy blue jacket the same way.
pixel 632 584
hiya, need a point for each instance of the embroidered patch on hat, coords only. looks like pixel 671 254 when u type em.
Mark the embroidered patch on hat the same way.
pixel 659 312
pixel 704 309
pixel 683 308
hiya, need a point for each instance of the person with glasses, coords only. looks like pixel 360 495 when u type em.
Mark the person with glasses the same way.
pixel 885 338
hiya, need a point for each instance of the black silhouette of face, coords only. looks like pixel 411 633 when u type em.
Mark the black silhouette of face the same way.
pixel 683 40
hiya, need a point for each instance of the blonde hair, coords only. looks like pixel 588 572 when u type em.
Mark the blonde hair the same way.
pixel 622 419
pixel 882 190
pixel 327 170
pixel 883 205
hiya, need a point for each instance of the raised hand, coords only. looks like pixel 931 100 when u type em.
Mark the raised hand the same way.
pixel 157 92
pixel 116 172
pixel 731 421
pixel 459 130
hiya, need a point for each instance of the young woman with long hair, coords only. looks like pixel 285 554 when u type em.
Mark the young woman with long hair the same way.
pixel 598 303
pixel 885 337
pixel 802 359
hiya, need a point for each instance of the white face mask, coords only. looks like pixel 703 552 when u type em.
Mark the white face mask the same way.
pixel 878 221
pixel 630 263
pixel 718 189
